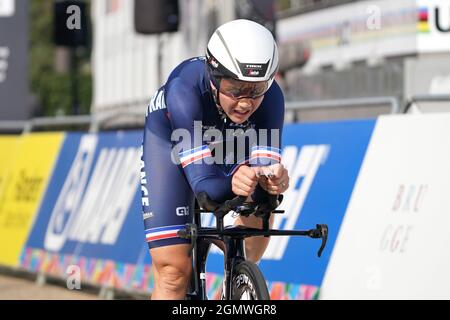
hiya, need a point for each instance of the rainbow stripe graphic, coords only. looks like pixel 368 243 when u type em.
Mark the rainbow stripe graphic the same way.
pixel 423 25
pixel 138 277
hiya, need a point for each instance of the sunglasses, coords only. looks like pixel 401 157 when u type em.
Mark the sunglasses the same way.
pixel 236 89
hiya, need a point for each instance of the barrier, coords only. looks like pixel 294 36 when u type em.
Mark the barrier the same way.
pixel 89 215
pixel 323 161
pixel 393 243
pixel 8 147
pixel 29 173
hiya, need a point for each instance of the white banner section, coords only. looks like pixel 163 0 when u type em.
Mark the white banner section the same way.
pixel 394 241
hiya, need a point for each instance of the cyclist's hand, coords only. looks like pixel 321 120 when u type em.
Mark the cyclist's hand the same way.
pixel 244 181
pixel 278 181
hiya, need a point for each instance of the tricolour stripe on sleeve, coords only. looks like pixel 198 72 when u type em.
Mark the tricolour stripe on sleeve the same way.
pixel 163 233
pixel 266 152
pixel 190 156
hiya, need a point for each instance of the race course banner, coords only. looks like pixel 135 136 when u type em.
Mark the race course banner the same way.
pixel 393 243
pixel 323 161
pixel 91 216
pixel 90 219
pixel 28 176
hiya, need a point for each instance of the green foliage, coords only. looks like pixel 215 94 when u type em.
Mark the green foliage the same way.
pixel 283 4
pixel 53 89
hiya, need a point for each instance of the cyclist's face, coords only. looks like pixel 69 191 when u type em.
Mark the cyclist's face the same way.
pixel 240 100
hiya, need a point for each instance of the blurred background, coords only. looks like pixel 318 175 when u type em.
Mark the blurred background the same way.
pixel 119 52
pixel 70 68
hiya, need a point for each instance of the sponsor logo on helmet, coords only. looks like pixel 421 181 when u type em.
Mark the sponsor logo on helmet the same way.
pixel 253 69
pixel 213 62
pixel 253 66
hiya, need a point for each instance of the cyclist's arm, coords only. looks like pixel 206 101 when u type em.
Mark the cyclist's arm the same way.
pixel 185 107
pixel 271 117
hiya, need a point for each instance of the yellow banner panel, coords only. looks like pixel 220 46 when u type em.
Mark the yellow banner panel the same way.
pixel 8 147
pixel 28 178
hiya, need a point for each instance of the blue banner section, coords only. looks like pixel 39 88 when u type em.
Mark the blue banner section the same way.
pixel 92 204
pixel 323 161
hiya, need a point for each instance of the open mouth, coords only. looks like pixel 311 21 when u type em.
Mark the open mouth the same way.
pixel 242 112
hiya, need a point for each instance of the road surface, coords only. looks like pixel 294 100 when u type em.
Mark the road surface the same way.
pixel 15 288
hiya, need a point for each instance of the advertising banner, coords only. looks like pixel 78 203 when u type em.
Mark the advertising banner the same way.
pixel 8 148
pixel 90 217
pixel 91 213
pixel 362 30
pixel 27 181
pixel 393 242
pixel 323 161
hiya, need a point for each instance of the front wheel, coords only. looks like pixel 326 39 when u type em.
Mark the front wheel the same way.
pixel 248 282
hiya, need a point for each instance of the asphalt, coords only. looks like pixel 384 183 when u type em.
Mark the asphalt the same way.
pixel 16 288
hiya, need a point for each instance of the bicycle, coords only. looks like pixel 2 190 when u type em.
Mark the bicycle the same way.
pixel 243 279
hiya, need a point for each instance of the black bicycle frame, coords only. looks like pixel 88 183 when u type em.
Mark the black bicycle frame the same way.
pixel 231 242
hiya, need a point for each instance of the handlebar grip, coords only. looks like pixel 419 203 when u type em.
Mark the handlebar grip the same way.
pixel 274 201
pixel 206 203
pixel 235 202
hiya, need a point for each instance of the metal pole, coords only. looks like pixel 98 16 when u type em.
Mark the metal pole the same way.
pixel 426 98
pixel 74 81
pixel 347 103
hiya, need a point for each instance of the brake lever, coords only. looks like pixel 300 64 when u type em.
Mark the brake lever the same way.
pixel 246 209
pixel 323 229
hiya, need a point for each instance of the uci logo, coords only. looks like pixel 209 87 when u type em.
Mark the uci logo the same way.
pixel 440 15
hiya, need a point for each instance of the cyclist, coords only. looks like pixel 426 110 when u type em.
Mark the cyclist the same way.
pixel 232 87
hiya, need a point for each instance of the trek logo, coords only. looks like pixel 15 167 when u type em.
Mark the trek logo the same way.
pixel 92 207
pixel 253 70
pixel 302 166
pixel 253 66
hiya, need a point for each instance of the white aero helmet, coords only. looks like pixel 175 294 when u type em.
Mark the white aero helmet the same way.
pixel 243 50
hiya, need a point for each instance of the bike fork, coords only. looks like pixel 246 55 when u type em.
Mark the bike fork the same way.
pixel 198 278
pixel 234 252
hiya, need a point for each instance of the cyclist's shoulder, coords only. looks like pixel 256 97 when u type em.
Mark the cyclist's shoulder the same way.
pixel 274 95
pixel 186 80
pixel 272 107
pixel 188 73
